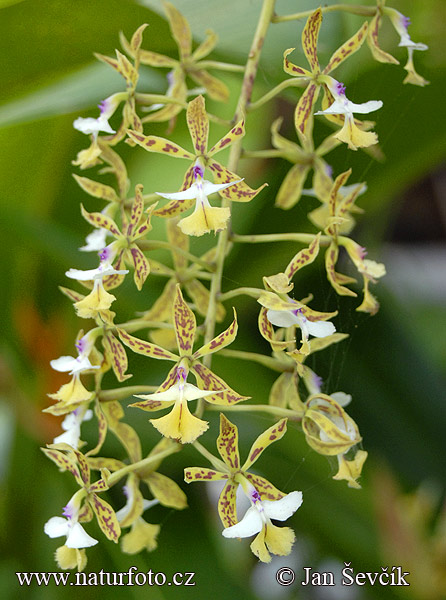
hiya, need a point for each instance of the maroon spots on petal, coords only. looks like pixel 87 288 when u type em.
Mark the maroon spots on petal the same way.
pixel 170 148
pixel 256 453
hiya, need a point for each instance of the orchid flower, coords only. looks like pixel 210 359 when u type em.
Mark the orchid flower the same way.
pixel 179 424
pixel 329 430
pixel 401 24
pixel 69 525
pixel 350 132
pixel 82 363
pixel 288 318
pixel 72 427
pixel 257 520
pixel 96 240
pixel 99 299
pixel 205 217
pixel 107 107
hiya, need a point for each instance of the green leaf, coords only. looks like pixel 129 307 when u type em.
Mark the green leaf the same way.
pixel 77 91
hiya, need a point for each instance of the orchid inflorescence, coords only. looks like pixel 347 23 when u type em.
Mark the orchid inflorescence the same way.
pixel 292 329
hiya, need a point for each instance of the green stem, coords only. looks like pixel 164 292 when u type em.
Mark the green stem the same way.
pixel 266 408
pixel 144 463
pixel 157 99
pixel 215 462
pixel 219 120
pixel 243 291
pixel 304 238
pixel 271 153
pixel 265 17
pixel 132 326
pixel 267 361
pixel 125 392
pixel 364 11
pixel 276 90
pixel 213 64
pixel 153 245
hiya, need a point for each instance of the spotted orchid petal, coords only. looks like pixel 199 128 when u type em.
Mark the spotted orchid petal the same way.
pixel 350 132
pixel 250 525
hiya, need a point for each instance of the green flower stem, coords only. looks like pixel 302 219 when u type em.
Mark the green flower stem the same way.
pixel 125 392
pixel 157 99
pixel 144 463
pixel 271 153
pixel 243 291
pixel 154 245
pixel 364 11
pixel 132 326
pixel 213 64
pixel 304 238
pixel 276 90
pixel 277 411
pixel 215 462
pixel 202 275
pixel 223 239
pixel 267 361
pixel 219 120
pixel 264 22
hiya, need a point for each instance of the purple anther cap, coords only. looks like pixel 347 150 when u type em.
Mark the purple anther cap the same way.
pixel 103 106
pixel 340 88
pixel 126 491
pixel 255 496
pixel 80 345
pixel 405 21
pixel 67 511
pixel 198 172
pixel 317 381
pixel 105 254
pixel 329 170
pixel 181 374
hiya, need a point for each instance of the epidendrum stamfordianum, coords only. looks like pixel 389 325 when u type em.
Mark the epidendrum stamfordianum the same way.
pixel 293 329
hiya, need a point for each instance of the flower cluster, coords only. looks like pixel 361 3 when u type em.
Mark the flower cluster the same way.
pixel 185 323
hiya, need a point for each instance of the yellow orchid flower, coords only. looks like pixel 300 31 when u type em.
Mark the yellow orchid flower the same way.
pixel 198 125
pixel 180 424
pixel 81 507
pixel 401 24
pixel 267 501
pixel 205 217
pixel 316 77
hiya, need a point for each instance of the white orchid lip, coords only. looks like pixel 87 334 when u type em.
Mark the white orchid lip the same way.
pixel 96 240
pixel 287 318
pixel 65 364
pixel 179 391
pixel 74 366
pixel 343 106
pixel 198 190
pixel 261 512
pixel 72 428
pixel 401 24
pixel 107 107
pixel 88 125
pixel 76 535
pixel 104 270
